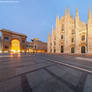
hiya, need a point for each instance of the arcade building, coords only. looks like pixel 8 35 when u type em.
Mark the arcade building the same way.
pixel 12 42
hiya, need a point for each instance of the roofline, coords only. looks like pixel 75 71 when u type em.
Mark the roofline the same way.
pixel 5 30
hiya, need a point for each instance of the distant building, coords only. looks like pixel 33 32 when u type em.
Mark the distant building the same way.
pixel 37 46
pixel 29 47
pixel 12 41
pixel 71 35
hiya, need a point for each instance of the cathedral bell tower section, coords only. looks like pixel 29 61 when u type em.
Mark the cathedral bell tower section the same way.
pixel 77 32
pixel 89 32
pixel 57 32
pixel 67 33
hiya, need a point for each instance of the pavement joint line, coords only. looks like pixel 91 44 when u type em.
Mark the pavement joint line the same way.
pixel 61 80
pixel 81 65
pixel 24 73
pixel 81 84
pixel 71 66
pixel 78 64
pixel 25 84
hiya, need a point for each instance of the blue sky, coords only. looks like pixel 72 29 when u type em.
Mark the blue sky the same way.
pixel 35 17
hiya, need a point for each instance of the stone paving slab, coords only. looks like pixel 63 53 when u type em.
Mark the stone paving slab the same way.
pixel 6 73
pixel 2 88
pixel 71 78
pixel 88 84
pixel 52 85
pixel 57 70
pixel 42 76
pixel 74 72
pixel 12 85
pixel 38 77
pixel 31 68
pixel 70 75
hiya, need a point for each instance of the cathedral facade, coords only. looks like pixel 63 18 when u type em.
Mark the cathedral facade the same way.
pixel 71 35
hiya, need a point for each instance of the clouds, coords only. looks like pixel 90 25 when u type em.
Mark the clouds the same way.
pixel 9 1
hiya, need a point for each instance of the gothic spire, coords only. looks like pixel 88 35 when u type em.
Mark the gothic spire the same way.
pixel 57 21
pixel 68 12
pixel 65 12
pixel 76 12
pixel 89 13
pixel 48 35
pixel 52 29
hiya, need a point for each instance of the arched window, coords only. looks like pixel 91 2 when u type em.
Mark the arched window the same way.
pixel 83 38
pixel 62 49
pixel 72 50
pixel 72 39
pixel 61 36
pixel 83 49
pixel 6 38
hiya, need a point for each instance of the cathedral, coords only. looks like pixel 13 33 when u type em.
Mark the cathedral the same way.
pixel 71 35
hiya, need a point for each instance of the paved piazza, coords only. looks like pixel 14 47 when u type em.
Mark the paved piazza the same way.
pixel 45 73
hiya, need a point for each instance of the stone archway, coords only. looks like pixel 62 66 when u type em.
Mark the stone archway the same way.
pixel 83 49
pixel 15 46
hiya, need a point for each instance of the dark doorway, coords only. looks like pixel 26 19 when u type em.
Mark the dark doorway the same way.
pixel 54 50
pixel 62 49
pixel 72 50
pixel 83 49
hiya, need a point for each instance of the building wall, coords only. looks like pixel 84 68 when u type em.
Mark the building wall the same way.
pixel 38 46
pixel 8 36
pixel 89 33
pixel 77 35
